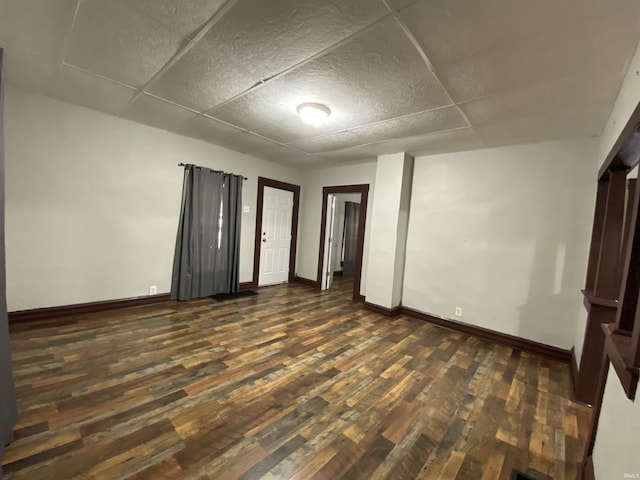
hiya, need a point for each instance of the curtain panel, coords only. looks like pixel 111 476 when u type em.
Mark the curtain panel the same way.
pixel 207 255
pixel 8 407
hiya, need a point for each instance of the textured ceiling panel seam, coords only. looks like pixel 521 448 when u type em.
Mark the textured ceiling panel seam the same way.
pixel 244 130
pixel 302 63
pixel 173 103
pixel 390 140
pixel 221 12
pixel 97 75
pixel 67 38
pixel 407 31
pixel 210 113
pixel 354 130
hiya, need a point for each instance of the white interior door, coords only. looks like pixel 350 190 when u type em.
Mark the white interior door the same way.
pixel 327 267
pixel 275 247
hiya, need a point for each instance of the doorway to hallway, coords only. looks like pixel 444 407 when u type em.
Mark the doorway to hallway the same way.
pixel 328 248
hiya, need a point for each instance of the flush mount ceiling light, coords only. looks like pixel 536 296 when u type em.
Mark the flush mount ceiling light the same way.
pixel 313 113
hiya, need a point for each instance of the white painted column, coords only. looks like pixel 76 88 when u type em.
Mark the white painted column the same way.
pixel 389 221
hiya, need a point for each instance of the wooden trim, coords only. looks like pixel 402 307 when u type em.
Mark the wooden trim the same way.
pixel 363 190
pixel 606 283
pixel 517 343
pixel 306 281
pixel 601 302
pixel 629 274
pixel 573 370
pixel 585 469
pixel 47 313
pixel 268 182
pixel 592 350
pixel 596 234
pixel 630 216
pixel 387 312
pixel 244 286
pixel 607 280
pixel 338 273
pixel 618 347
pixel 602 374
pixel 612 161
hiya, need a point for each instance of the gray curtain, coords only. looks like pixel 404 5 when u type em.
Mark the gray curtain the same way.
pixel 8 408
pixel 207 255
pixel 351 218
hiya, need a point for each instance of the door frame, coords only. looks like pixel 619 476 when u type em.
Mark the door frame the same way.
pixel 268 182
pixel 363 190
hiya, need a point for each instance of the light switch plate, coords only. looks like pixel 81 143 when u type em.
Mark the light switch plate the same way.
pixel 246 209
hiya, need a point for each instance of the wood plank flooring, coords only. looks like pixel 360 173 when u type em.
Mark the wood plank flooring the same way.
pixel 290 383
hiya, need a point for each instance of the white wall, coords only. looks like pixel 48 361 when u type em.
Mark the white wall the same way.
pixel 92 202
pixel 618 437
pixel 504 234
pixel 616 448
pixel 310 214
pixel 581 327
pixel 389 229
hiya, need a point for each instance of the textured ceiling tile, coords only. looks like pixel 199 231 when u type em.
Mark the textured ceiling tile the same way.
pixel 82 88
pixel 450 31
pixel 120 43
pixel 314 163
pixel 279 154
pixel 329 142
pixel 439 142
pixel 256 113
pixel 375 77
pixel 158 113
pixel 356 154
pixel 455 140
pixel 448 118
pixel 398 5
pixel 36 26
pixel 606 44
pixel 184 16
pixel 583 122
pixel 29 72
pixel 256 40
pixel 207 129
pixel 245 143
pixel 444 142
pixel 560 94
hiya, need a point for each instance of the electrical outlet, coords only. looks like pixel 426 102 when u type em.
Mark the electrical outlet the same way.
pixel 458 311
pixel 153 290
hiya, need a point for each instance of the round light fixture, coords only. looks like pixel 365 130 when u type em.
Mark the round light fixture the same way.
pixel 313 113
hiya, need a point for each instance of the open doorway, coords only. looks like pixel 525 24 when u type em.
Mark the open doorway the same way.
pixel 276 232
pixel 343 214
pixel 342 236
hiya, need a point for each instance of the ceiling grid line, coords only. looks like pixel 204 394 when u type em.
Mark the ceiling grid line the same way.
pixel 380 122
pixel 423 54
pixel 421 76
pixel 191 42
pixel 302 63
pixel 67 39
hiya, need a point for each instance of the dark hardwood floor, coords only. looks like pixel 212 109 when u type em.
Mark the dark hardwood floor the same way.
pixel 290 383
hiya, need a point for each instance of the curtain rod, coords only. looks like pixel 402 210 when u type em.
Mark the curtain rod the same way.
pixel 217 171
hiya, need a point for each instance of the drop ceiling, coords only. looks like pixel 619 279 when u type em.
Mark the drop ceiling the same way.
pixel 426 76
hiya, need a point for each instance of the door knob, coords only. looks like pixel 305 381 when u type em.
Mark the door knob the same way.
pixel 264 240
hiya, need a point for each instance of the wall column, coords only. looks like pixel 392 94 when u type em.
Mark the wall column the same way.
pixel 389 222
